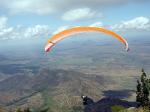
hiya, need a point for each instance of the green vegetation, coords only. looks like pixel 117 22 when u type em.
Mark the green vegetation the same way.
pixel 117 108
pixel 48 100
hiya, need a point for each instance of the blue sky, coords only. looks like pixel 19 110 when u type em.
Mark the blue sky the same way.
pixel 26 19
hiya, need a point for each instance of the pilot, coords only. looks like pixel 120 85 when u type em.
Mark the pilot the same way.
pixel 87 100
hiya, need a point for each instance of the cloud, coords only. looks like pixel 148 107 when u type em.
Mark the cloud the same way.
pixel 52 6
pixel 26 6
pixel 6 31
pixel 138 23
pixel 36 31
pixel 20 32
pixel 61 28
pixel 3 22
pixel 78 14
pixel 97 24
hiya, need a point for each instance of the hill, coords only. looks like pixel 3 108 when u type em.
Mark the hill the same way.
pixel 51 86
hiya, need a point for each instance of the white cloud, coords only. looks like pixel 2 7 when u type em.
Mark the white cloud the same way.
pixel 98 24
pixel 20 32
pixel 5 31
pixel 36 31
pixel 77 14
pixel 3 22
pixel 26 6
pixel 61 28
pixel 52 6
pixel 139 23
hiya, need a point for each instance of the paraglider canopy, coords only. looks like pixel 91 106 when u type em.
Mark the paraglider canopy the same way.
pixel 64 34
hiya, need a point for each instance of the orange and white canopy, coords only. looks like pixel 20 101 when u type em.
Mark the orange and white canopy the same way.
pixel 61 35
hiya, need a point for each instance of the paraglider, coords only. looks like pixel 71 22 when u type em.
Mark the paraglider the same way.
pixel 66 33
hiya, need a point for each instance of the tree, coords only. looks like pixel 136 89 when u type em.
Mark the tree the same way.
pixel 139 91
pixel 143 89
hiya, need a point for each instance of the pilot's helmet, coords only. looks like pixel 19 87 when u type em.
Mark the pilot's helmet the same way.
pixel 83 96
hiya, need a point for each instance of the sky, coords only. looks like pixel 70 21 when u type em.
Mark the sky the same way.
pixel 29 19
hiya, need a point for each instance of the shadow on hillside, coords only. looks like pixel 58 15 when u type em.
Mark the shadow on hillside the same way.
pixel 111 98
pixel 120 94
